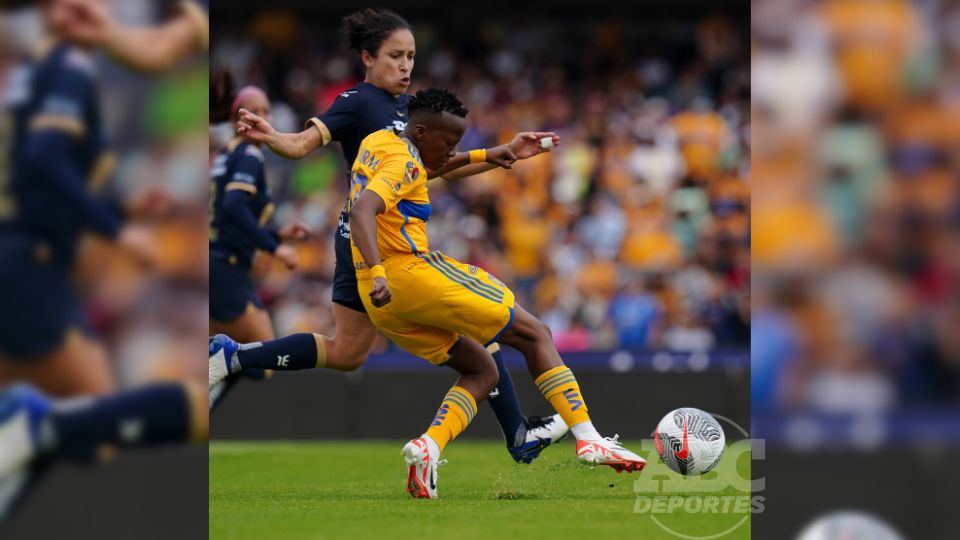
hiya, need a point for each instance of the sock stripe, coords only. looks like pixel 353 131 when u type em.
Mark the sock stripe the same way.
pixel 455 402
pixel 461 402
pixel 462 393
pixel 560 372
pixel 558 384
pixel 554 378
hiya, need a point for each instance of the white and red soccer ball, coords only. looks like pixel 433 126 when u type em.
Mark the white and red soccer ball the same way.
pixel 689 441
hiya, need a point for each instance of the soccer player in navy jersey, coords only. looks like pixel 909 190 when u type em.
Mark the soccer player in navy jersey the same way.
pixel 53 159
pixel 386 46
pixel 240 207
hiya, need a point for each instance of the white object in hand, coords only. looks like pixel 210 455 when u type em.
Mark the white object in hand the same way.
pixel 546 143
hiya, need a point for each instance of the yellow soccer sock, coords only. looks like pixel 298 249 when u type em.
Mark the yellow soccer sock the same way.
pixel 454 415
pixel 560 388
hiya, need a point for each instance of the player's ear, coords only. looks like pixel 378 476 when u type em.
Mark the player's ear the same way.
pixel 367 58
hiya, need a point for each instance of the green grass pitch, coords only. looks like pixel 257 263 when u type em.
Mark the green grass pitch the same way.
pixel 355 489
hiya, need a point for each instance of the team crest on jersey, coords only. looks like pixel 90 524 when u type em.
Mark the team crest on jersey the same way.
pixel 472 269
pixel 413 172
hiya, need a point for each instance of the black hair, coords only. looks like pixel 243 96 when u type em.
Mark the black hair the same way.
pixel 437 100
pixel 366 30
pixel 222 92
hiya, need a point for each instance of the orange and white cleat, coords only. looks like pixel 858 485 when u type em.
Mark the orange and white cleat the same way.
pixel 608 451
pixel 422 478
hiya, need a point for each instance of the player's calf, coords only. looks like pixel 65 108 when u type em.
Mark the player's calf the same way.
pixel 559 386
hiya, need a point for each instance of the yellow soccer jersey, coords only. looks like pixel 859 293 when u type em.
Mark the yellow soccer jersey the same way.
pixel 390 166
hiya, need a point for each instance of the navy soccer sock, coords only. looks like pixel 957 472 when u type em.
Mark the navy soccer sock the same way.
pixel 506 406
pixel 148 416
pixel 296 351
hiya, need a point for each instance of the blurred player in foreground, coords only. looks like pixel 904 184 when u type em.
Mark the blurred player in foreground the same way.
pixel 47 352
pixel 440 309
pixel 386 46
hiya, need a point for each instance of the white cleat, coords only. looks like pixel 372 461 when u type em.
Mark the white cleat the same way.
pixel 422 478
pixel 608 451
pixel 221 350
pixel 541 433
pixel 551 428
pixel 24 414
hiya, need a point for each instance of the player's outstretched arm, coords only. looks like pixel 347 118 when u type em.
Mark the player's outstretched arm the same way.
pixel 150 49
pixel 524 145
pixel 363 231
pixel 288 145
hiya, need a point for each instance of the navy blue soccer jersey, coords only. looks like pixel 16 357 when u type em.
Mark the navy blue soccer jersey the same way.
pixel 56 155
pixel 240 204
pixel 358 112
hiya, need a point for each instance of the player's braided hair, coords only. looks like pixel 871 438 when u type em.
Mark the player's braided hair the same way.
pixel 366 30
pixel 437 100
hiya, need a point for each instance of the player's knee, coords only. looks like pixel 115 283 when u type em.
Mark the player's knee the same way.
pixel 490 377
pixel 353 362
pixel 542 333
pixel 347 362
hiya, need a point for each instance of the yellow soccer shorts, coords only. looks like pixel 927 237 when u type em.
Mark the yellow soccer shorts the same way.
pixel 435 300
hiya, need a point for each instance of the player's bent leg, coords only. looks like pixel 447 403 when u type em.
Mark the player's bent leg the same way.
pixel 347 350
pixel 526 437
pixel 559 386
pixel 35 429
pixel 80 366
pixel 478 376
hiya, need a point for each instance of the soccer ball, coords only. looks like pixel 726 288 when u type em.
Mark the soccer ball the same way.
pixel 689 441
pixel 849 525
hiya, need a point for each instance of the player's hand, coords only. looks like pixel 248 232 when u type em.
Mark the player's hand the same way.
pixel 139 242
pixel 288 256
pixel 255 128
pixel 380 294
pixel 527 143
pixel 294 231
pixel 501 156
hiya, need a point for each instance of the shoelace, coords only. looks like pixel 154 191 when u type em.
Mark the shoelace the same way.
pixel 615 442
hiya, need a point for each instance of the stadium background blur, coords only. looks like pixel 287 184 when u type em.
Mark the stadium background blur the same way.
pixel 633 234
pixel 153 322
pixel 855 352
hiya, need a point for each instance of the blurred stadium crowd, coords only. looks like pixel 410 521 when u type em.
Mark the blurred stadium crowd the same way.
pixel 153 321
pixel 856 111
pixel 634 233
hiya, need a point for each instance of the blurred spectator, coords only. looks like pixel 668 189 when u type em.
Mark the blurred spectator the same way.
pixel 855 179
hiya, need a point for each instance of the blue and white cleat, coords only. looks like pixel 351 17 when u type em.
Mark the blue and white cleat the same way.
pixel 23 429
pixel 541 433
pixel 223 358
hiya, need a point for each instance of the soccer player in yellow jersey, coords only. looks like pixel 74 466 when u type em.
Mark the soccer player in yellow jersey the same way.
pixel 440 309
